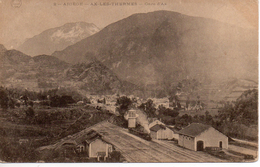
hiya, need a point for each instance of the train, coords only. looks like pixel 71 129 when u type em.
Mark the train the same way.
pixel 143 135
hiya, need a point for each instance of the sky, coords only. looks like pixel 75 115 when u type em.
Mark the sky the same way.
pixel 21 19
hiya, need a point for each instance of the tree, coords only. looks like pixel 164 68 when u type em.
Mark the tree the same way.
pixel 208 118
pixel 25 98
pixel 124 103
pixel 3 98
pixel 183 121
pixel 227 113
pixel 148 108
pixel 29 112
pixel 11 103
pixel 161 110
pixel 167 111
pixel 246 107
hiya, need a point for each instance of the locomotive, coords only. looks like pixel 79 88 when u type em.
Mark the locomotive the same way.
pixel 143 135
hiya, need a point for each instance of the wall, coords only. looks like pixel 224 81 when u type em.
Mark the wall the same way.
pixel 175 136
pixel 97 146
pixel 187 142
pixel 211 138
pixel 153 135
pixel 165 134
pixel 131 122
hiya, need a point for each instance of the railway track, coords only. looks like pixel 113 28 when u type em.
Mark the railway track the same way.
pixel 161 154
pixel 169 151
pixel 194 155
pixel 167 148
pixel 139 154
pixel 152 151
pixel 127 149
pixel 136 149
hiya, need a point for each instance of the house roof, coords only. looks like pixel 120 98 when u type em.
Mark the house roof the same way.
pixel 174 129
pixel 92 136
pixel 194 129
pixel 157 127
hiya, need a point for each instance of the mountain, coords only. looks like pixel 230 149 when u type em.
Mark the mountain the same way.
pixel 94 77
pixel 19 70
pixel 57 38
pixel 162 48
pixel 2 48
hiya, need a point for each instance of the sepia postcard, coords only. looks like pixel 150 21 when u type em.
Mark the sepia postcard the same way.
pixel 130 81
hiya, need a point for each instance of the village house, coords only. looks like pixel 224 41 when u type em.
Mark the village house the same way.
pixel 161 101
pixel 198 136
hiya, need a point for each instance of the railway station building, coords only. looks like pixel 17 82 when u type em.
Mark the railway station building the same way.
pixel 160 132
pixel 198 136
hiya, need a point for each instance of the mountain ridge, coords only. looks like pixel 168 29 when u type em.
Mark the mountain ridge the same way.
pixel 57 38
pixel 164 46
pixel 48 72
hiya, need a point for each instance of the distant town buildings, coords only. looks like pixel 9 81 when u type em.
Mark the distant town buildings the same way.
pixel 161 101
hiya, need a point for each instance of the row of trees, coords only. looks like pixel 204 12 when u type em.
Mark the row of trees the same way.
pixel 11 97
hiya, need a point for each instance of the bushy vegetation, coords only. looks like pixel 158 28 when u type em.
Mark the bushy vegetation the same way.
pixel 237 119
pixel 244 110
pixel 149 108
pixel 3 98
pixel 11 151
pixel 123 104
pixel 167 111
pixel 13 97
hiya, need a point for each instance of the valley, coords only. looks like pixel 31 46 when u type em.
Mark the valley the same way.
pixel 158 86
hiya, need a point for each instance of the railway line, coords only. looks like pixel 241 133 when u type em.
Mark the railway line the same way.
pixel 156 155
pixel 136 149
pixel 154 150
pixel 199 156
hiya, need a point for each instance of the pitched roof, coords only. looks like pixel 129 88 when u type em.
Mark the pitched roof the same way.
pixel 157 127
pixel 92 136
pixel 69 142
pixel 194 129
pixel 174 129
